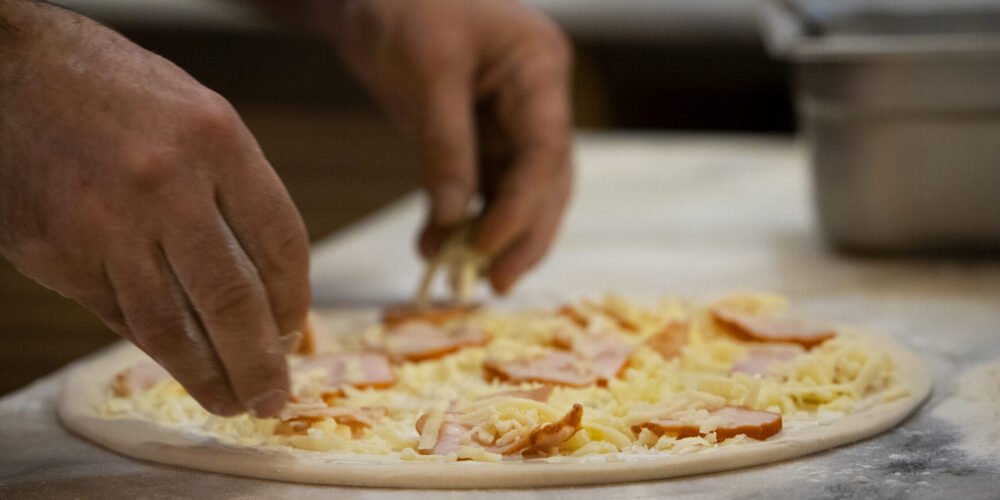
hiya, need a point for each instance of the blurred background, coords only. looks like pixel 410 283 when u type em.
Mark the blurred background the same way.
pixel 665 65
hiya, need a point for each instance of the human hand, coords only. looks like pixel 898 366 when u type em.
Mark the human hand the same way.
pixel 482 89
pixel 131 188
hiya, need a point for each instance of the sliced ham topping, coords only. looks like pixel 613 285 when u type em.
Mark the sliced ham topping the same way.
pixel 437 314
pixel 420 340
pixel 546 436
pixel 671 340
pixel 759 356
pixel 357 369
pixel 539 440
pixel 540 394
pixel 604 354
pixel 556 367
pixel 607 355
pixel 138 378
pixel 755 424
pixel 747 326
pixel 297 418
pixel 449 433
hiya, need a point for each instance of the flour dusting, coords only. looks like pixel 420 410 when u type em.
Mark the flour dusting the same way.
pixel 974 407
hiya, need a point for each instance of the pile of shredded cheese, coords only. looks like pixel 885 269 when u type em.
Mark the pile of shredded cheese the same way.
pixel 839 376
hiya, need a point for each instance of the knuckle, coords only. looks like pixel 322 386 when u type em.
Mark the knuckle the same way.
pixel 285 253
pixel 212 115
pixel 560 48
pixel 150 170
pixel 292 246
pixel 230 299
pixel 554 50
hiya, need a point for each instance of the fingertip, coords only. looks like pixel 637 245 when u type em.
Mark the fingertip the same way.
pixel 502 280
pixel 430 240
pixel 228 408
pixel 292 316
pixel 267 404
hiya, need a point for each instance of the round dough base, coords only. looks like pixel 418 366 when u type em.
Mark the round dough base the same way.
pixel 86 389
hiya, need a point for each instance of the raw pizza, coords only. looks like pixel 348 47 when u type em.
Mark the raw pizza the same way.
pixel 588 392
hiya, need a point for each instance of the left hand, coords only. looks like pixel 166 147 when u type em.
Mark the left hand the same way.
pixel 482 89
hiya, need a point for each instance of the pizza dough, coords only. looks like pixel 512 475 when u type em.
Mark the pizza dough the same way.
pixel 86 389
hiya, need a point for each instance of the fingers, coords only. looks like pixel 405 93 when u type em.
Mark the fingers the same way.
pixel 160 321
pixel 518 258
pixel 270 230
pixel 446 148
pixel 431 238
pixel 232 304
pixel 532 108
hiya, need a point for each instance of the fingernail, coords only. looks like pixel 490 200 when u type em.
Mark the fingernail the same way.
pixel 268 403
pixel 290 342
pixel 449 203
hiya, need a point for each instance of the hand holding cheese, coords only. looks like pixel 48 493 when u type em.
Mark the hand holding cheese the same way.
pixel 131 188
pixel 482 88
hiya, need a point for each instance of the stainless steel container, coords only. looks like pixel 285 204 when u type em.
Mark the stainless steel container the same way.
pixel 900 105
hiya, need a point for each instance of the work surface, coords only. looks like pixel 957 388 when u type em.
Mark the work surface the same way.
pixel 696 216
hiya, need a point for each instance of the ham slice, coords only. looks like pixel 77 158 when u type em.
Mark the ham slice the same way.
pixel 539 440
pixel 607 355
pixel 420 340
pixel 540 394
pixel 356 369
pixel 671 340
pixel 751 327
pixel 556 367
pixel 736 420
pixel 449 433
pixel 759 356
pixel 583 359
pixel 138 378
pixel 437 314
pixel 544 437
pixel 297 418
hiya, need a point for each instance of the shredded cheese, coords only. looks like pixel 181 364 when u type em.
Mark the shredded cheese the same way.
pixel 832 379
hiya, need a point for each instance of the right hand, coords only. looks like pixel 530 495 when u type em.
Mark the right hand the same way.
pixel 131 188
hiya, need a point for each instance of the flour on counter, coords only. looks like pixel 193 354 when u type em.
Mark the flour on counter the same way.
pixel 974 408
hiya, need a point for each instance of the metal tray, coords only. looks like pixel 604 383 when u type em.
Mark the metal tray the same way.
pixel 899 103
